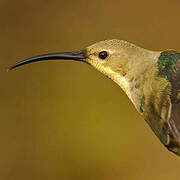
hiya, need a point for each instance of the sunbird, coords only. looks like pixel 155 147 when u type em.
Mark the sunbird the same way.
pixel 150 79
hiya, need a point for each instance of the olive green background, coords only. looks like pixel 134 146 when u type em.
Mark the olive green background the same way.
pixel 64 120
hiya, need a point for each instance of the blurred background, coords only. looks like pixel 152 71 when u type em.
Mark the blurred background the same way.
pixel 64 120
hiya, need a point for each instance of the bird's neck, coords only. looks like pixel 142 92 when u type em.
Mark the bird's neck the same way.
pixel 133 82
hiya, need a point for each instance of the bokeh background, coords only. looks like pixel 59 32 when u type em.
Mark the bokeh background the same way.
pixel 64 120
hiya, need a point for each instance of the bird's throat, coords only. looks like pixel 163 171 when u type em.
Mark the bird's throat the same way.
pixel 121 80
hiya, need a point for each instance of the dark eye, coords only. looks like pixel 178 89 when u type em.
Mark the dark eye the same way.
pixel 103 54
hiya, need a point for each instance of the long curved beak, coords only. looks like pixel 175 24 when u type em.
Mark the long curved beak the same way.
pixel 79 55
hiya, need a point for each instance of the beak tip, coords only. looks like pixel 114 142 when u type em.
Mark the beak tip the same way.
pixel 10 68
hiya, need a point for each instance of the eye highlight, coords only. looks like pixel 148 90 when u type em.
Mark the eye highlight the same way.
pixel 103 55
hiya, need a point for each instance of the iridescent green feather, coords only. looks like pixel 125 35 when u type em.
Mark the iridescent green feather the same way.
pixel 167 62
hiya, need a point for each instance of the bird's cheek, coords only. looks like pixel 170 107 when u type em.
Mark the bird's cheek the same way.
pixel 96 64
pixel 91 60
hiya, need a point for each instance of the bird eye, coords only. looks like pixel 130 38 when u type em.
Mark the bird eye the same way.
pixel 103 54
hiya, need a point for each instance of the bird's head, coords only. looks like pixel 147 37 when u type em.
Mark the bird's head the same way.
pixel 114 58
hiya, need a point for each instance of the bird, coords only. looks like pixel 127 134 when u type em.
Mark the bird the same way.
pixel 150 79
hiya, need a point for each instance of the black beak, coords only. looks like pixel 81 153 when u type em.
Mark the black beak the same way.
pixel 79 55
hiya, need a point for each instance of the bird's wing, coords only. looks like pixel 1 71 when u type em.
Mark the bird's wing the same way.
pixel 174 122
pixel 169 69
